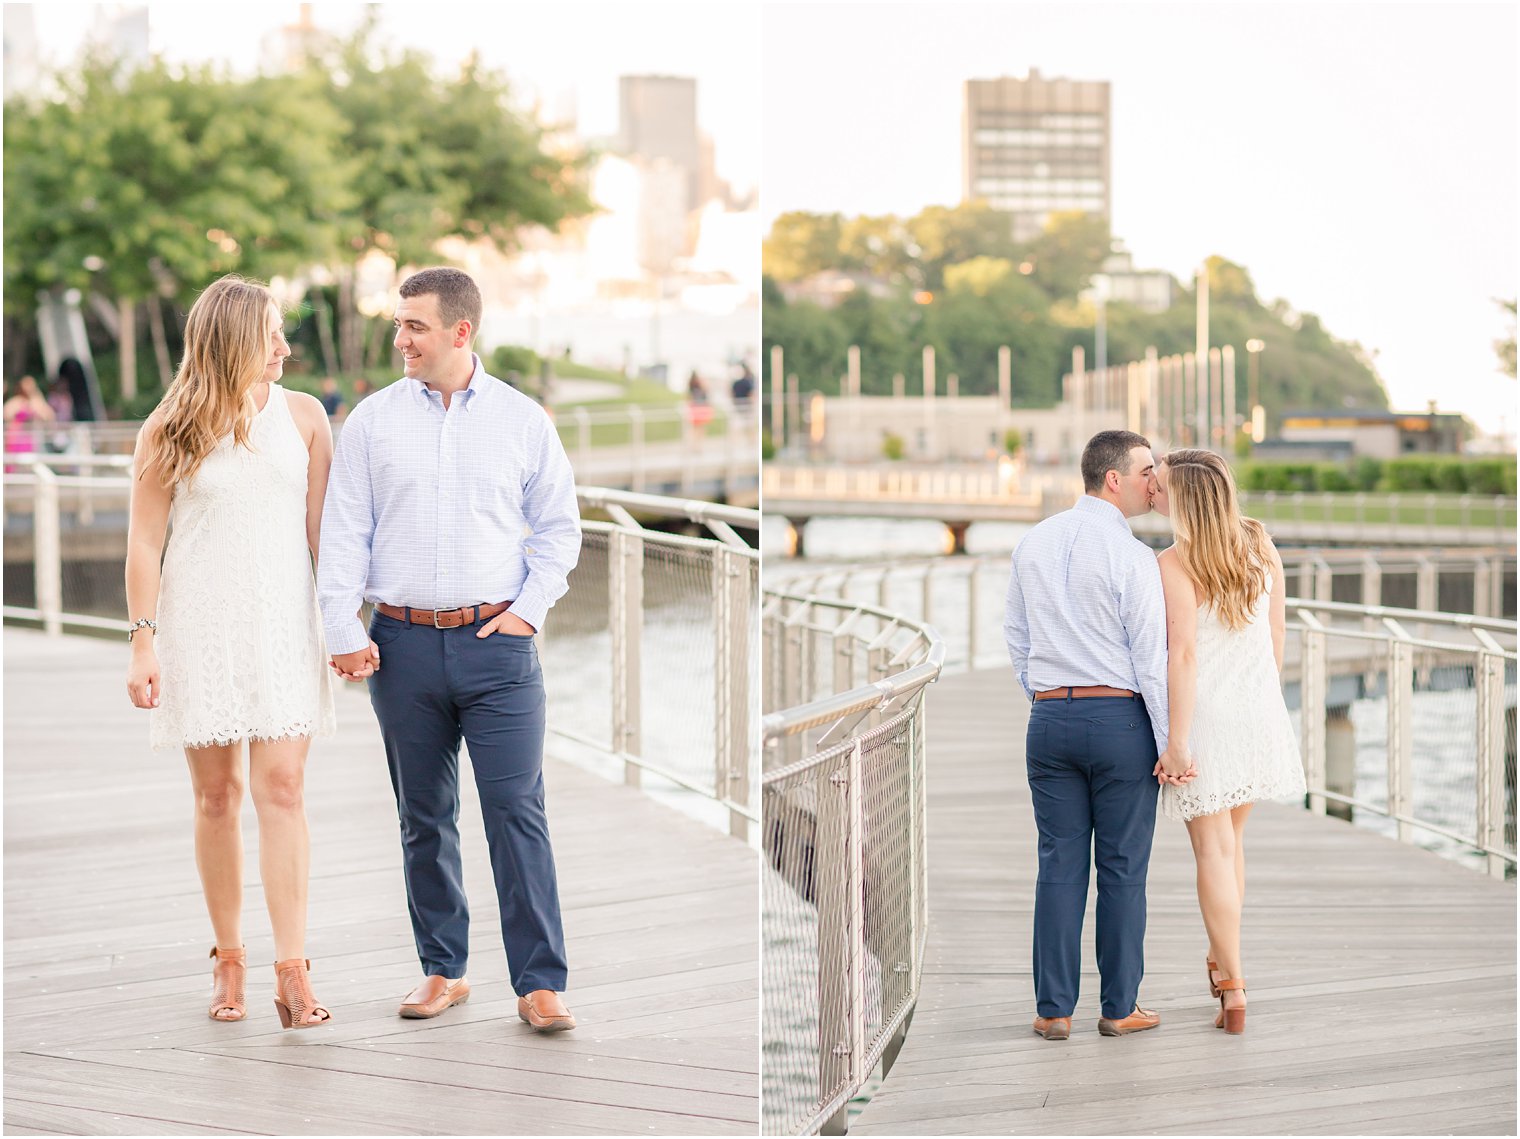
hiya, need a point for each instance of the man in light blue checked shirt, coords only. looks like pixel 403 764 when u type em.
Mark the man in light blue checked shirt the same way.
pixel 451 506
pixel 1086 630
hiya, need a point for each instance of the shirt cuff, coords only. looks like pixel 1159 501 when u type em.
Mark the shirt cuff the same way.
pixel 532 609
pixel 349 637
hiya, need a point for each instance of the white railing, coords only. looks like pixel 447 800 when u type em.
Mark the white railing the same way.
pixel 652 620
pixel 845 908
pixel 1412 721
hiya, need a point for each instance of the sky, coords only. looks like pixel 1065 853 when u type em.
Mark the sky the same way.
pixel 1358 158
pixel 568 54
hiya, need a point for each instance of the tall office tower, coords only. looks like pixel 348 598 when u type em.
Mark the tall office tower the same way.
pixel 657 118
pixel 1035 146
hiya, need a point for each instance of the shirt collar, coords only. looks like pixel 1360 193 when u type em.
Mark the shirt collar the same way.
pixel 467 397
pixel 1102 508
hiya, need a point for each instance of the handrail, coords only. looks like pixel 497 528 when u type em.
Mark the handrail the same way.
pixel 844 832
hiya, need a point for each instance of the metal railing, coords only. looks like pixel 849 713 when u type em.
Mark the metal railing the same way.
pixel 1411 711
pixel 845 906
pixel 658 630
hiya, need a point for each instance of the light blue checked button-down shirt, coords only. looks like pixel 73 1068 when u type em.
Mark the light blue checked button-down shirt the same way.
pixel 1085 608
pixel 438 508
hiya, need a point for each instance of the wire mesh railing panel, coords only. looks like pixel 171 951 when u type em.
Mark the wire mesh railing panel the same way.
pixel 577 649
pixel 678 692
pixel 842 921
pixel 891 879
pixel 804 1058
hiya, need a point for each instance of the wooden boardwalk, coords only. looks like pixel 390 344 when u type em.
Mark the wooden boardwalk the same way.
pixel 1382 977
pixel 106 974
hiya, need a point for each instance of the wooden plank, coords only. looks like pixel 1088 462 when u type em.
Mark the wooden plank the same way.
pixel 106 975
pixel 1345 933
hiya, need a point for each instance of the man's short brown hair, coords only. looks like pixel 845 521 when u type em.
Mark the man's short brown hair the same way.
pixel 1108 451
pixel 458 294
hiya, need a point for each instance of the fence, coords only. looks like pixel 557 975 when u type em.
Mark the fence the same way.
pixel 1410 711
pixel 650 654
pixel 845 907
pixel 639 436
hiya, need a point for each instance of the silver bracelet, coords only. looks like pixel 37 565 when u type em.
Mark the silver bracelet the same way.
pixel 142 623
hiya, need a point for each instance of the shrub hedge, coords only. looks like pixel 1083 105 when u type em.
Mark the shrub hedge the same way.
pixel 1436 474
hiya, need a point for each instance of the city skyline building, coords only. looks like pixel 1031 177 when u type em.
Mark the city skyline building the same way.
pixel 1036 146
pixel 657 119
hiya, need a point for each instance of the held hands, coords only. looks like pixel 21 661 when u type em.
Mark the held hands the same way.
pixel 359 664
pixel 144 684
pixel 507 622
pixel 1175 767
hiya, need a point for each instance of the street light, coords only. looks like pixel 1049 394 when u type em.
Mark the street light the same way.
pixel 1258 415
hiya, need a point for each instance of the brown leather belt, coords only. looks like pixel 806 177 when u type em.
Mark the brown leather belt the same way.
pixel 444 618
pixel 1079 693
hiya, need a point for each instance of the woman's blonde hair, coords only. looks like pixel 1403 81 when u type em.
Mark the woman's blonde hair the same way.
pixel 226 351
pixel 1225 553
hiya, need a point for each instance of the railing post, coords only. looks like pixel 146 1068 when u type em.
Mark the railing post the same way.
pixel 972 624
pixel 1482 587
pixel 732 598
pixel 855 799
pixel 831 875
pixel 1488 679
pixel 625 580
pixel 636 438
pixel 1400 727
pixel 582 438
pixel 47 550
pixel 1313 696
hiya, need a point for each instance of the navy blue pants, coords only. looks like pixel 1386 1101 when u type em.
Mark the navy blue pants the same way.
pixel 433 687
pixel 1090 775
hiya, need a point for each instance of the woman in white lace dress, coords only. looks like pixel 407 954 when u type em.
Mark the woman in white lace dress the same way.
pixel 227 641
pixel 1230 742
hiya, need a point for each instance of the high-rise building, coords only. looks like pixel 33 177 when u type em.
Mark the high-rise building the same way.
pixel 657 118
pixel 1036 146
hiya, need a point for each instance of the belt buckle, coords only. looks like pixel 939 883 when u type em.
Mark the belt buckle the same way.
pixel 436 625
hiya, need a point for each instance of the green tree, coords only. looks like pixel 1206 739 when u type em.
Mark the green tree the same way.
pixel 801 244
pixel 141 186
pixel 941 236
pixel 1506 347
pixel 432 158
pixel 1071 249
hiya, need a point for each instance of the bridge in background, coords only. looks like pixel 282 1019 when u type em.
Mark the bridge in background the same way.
pixel 961 497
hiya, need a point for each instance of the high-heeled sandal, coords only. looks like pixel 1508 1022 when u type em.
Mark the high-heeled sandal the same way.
pixel 294 1000
pixel 1232 1020
pixel 1213 967
pixel 228 976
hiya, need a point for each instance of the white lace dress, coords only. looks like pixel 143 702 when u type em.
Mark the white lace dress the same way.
pixel 239 639
pixel 1242 739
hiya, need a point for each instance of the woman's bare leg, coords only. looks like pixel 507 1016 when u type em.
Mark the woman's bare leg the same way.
pixel 278 780
pixel 216 778
pixel 1213 838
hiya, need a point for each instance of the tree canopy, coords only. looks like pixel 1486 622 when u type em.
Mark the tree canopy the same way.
pixel 148 183
pixel 952 277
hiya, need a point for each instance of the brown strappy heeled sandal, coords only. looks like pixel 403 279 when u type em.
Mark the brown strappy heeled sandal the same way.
pixel 227 981
pixel 1213 984
pixel 1231 1019
pixel 294 1001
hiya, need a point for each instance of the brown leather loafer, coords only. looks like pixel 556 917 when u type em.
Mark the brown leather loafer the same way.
pixel 1137 1021
pixel 434 995
pixel 544 1010
pixel 1053 1027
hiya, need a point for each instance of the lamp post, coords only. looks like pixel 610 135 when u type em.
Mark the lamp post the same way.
pixel 1258 416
